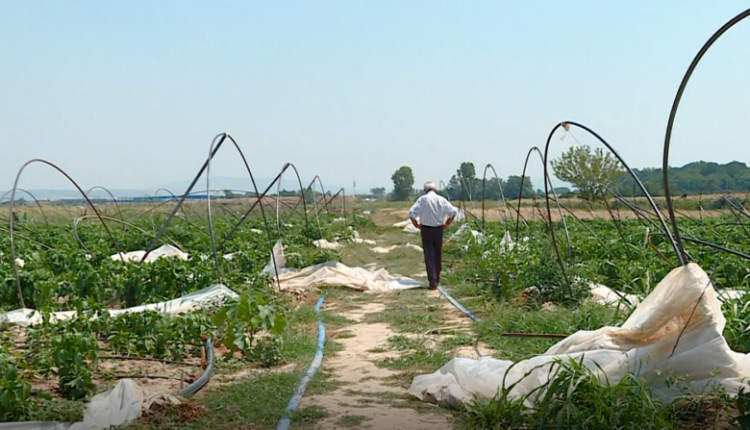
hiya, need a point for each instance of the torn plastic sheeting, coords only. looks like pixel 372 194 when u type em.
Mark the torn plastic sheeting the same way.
pixel 642 346
pixel 608 297
pixel 461 232
pixel 333 273
pixel 121 405
pixel 382 250
pixel 407 226
pixel 160 252
pixel 187 303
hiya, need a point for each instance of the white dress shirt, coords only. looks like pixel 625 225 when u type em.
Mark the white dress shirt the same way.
pixel 431 209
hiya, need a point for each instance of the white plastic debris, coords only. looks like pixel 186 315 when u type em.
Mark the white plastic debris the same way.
pixel 643 346
pixel 119 406
pixel 160 252
pixel 196 300
pixel 384 250
pixel 333 273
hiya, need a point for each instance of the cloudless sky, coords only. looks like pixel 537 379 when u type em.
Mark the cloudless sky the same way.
pixel 130 94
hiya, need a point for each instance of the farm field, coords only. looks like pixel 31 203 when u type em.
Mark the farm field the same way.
pixel 376 343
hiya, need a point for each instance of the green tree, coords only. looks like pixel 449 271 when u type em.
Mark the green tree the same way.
pixel 403 183
pixel 512 187
pixel 589 171
pixel 378 192
pixel 464 184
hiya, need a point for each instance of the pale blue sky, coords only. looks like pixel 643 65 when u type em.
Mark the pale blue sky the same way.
pixel 130 94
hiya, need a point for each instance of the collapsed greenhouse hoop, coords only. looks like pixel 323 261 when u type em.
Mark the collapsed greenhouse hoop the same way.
pixel 116 220
pixel 12 200
pixel 278 197
pixel 502 195
pixel 114 200
pixel 36 201
pixel 546 199
pixel 214 148
pixel 315 202
pixel 670 124
pixel 566 126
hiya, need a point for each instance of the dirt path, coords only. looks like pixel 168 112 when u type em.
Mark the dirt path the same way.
pixel 372 395
pixel 367 397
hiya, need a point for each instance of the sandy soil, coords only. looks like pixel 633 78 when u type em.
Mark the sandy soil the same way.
pixel 364 400
pixel 388 216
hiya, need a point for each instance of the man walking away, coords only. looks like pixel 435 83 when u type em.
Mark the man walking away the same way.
pixel 431 209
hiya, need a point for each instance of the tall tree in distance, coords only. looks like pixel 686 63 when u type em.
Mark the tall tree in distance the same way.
pixel 464 184
pixel 589 171
pixel 403 184
pixel 513 186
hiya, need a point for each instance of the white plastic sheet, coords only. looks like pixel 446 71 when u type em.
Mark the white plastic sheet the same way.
pixel 121 405
pixel 642 346
pixel 383 250
pixel 160 252
pixel 196 300
pixel 407 226
pixel 333 273
pixel 464 229
pixel 608 297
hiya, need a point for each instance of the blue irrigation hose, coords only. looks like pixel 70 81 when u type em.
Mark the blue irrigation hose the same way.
pixel 458 306
pixel 468 313
pixel 317 360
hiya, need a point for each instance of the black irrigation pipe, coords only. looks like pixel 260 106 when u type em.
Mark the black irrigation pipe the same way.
pixel 205 376
pixel 670 124
pixel 12 200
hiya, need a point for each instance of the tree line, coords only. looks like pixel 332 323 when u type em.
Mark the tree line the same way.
pixel 591 173
pixel 462 186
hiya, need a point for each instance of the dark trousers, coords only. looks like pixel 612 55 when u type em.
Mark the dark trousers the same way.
pixel 432 242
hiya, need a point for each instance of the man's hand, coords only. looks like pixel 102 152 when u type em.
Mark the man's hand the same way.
pixel 448 222
pixel 415 223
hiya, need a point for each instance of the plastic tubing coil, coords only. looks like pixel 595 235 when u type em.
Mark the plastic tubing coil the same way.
pixel 317 360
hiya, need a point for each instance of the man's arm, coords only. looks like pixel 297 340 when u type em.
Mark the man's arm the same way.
pixel 414 212
pixel 451 211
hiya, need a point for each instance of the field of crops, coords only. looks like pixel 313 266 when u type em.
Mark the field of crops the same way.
pixel 49 370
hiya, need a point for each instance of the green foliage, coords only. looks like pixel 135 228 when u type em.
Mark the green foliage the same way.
pixel 403 183
pixel 241 319
pixel 590 172
pixel 574 399
pixel 465 185
pixel 74 353
pixel 87 281
pixel 700 177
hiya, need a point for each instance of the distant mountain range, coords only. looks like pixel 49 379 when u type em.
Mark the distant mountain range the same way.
pixel 219 183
